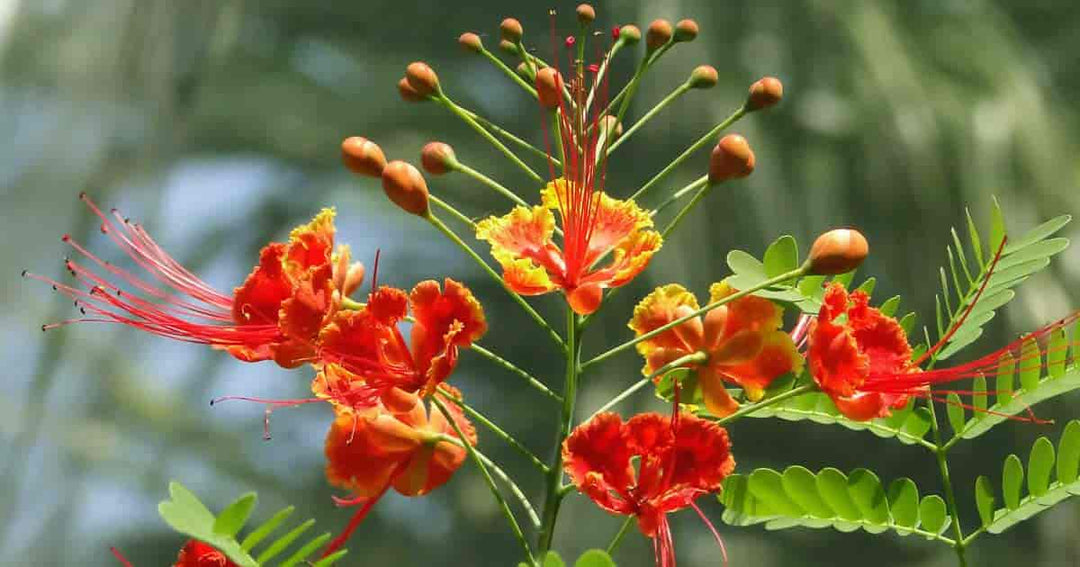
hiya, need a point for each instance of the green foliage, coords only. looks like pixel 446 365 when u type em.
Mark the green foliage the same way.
pixel 591 558
pixel 1043 491
pixel 187 515
pixel 962 277
pixel 799 498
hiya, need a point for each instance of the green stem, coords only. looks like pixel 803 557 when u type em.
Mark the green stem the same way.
pixel 453 211
pixel 602 71
pixel 498 187
pixel 464 116
pixel 700 143
pixel 514 526
pixel 509 136
pixel 695 185
pixel 697 357
pixel 749 409
pixel 514 369
pixel 490 272
pixel 645 63
pixel 670 98
pixel 619 536
pixel 950 497
pixel 499 472
pixel 499 432
pixel 509 72
pixel 702 192
pixel 554 492
pixel 798 272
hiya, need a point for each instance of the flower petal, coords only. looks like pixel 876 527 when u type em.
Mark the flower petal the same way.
pixel 521 243
pixel 311 245
pixel 354 461
pixel 632 255
pixel 702 454
pixel 437 310
pixel 596 453
pixel 258 300
pixel 654 311
pixel 717 399
pixel 776 356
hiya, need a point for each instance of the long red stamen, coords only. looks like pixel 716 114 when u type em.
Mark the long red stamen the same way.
pixel 120 557
pixel 362 513
pixel 271 405
pixel 712 529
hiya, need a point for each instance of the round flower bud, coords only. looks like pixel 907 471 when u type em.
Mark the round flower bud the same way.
pixel 362 156
pixel 511 30
pixel 658 34
pixel 523 71
pixel 630 34
pixel 610 126
pixel 585 14
pixel 703 77
pixel 686 30
pixel 764 93
pixel 437 158
pixel 408 93
pixel 422 78
pixel 406 187
pixel 548 87
pixel 837 251
pixel 471 42
pixel 732 158
pixel 508 47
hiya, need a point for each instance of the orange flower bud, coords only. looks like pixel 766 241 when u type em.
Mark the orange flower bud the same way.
pixel 363 156
pixel 686 30
pixel 508 47
pixel 548 87
pixel 422 78
pixel 732 158
pixel 438 158
pixel 658 34
pixel 764 93
pixel 611 126
pixel 511 30
pixel 585 14
pixel 704 77
pixel 838 251
pixel 630 34
pixel 471 42
pixel 406 187
pixel 409 94
pixel 523 71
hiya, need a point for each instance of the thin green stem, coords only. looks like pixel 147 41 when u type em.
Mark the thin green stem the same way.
pixel 514 369
pixel 499 498
pixel 670 98
pixel 950 497
pixel 509 72
pixel 697 357
pixel 602 72
pixel 495 276
pixel 499 432
pixel 499 472
pixel 554 490
pixel 498 187
pixel 749 409
pixel 469 120
pixel 629 521
pixel 645 63
pixel 453 211
pixel 700 143
pixel 798 272
pixel 693 186
pixel 701 193
pixel 509 135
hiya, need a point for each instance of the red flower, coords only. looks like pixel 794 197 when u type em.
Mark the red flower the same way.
pixel 198 554
pixel 276 314
pixel 674 465
pixel 366 342
pixel 742 339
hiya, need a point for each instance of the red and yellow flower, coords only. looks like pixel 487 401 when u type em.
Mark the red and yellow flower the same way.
pixel 648 467
pixel 198 554
pixel 742 341
pixel 594 225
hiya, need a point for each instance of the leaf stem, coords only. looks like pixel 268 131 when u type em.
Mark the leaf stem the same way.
pixel 453 211
pixel 670 98
pixel 498 187
pixel 499 432
pixel 499 472
pixel 701 192
pixel 749 409
pixel 514 369
pixel 693 186
pixel 508 135
pixel 697 357
pixel 619 535
pixel 950 497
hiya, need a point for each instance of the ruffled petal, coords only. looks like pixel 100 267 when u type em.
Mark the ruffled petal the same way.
pixel 702 454
pixel 776 357
pixel 302 315
pixel 198 554
pixel 632 255
pixel 862 406
pixel 521 243
pixel 311 245
pixel 354 461
pixel 836 363
pixel 657 309
pixel 748 313
pixel 880 337
pixel 596 452
pixel 258 300
pixel 438 310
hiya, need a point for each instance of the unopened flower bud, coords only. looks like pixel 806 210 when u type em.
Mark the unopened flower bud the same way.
pixel 611 126
pixel 686 30
pixel 548 87
pixel 732 158
pixel 523 71
pixel 422 78
pixel 764 93
pixel 406 187
pixel 511 30
pixel 704 77
pixel 363 156
pixel 585 14
pixel 658 34
pixel 630 34
pixel 837 251
pixel 471 42
pixel 354 276
pixel 408 93
pixel 438 158
pixel 508 47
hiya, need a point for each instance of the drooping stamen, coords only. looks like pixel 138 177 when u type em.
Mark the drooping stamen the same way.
pixel 712 529
pixel 271 405
pixel 362 513
pixel 120 557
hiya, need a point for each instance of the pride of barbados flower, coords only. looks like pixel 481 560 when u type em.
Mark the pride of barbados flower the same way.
pixel 277 313
pixel 741 342
pixel 648 467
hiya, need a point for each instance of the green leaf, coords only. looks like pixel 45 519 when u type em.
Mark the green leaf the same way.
pixel 933 513
pixel 781 256
pixel 799 498
pixel 333 558
pixel 1012 481
pixel 955 412
pixel 1038 233
pixel 1040 465
pixel 279 545
pixel 595 558
pixel 978 396
pixel 984 499
pixel 235 515
pixel 845 278
pixel 889 307
pixel 1068 464
pixel 187 515
pixel 1011 403
pixel 1030 365
pixel 997 227
pixel 552 559
pixel 868 286
pixel 909 425
pixel 307 549
pixel 1033 252
pixel 976 240
pixel 260 533
pixel 1056 353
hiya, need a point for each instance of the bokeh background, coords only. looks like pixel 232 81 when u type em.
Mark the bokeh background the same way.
pixel 217 124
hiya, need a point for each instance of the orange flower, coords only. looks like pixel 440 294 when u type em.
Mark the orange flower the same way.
pixel 594 225
pixel 843 355
pixel 675 463
pixel 366 342
pixel 276 314
pixel 198 554
pixel 742 340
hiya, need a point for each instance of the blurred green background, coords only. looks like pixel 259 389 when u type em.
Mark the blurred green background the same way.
pixel 217 124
